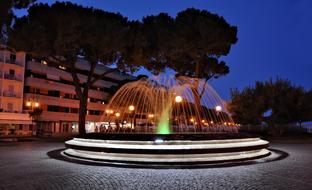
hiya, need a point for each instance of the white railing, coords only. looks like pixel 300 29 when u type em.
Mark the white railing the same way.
pixel 11 61
pixel 11 94
pixel 12 77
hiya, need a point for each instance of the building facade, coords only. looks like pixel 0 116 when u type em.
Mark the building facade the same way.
pixel 29 85
pixel 13 119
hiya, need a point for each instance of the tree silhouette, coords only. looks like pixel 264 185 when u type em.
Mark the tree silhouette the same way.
pixel 6 14
pixel 288 103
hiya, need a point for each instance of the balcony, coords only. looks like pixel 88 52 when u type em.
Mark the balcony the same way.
pixel 11 94
pixel 14 62
pixel 64 102
pixel 46 84
pixel 61 116
pixel 12 77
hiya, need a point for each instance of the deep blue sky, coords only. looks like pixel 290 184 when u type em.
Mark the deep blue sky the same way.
pixel 274 36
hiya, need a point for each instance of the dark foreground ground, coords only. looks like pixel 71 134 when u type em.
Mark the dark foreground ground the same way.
pixel 26 165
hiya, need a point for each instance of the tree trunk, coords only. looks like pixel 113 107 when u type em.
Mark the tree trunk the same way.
pixel 273 128
pixel 198 108
pixel 82 114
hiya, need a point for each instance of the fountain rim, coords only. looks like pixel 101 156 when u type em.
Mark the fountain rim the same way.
pixel 166 137
pixel 176 152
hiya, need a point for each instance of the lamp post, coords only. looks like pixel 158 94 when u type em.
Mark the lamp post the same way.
pixel 35 111
pixel 32 105
pixel 131 109
pixel 178 99
pixel 218 109
pixel 117 115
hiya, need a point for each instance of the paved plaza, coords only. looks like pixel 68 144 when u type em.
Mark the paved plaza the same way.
pixel 27 165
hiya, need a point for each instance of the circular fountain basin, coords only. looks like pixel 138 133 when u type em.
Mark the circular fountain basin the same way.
pixel 163 150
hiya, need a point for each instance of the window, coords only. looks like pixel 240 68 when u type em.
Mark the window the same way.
pixel 12 72
pixel 10 107
pixel 37 90
pixel 12 57
pixel 11 89
pixel 94 112
pixel 28 73
pixel 53 108
pixel 69 96
pixel 74 110
pixel 26 89
pixel 54 93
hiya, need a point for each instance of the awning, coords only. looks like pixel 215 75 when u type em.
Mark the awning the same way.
pixel 26 122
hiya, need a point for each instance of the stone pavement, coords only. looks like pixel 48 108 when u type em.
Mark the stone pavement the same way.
pixel 26 165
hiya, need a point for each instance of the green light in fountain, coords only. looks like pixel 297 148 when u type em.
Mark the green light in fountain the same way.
pixel 163 127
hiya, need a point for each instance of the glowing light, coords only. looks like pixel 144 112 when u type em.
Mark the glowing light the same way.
pixel 159 141
pixel 117 114
pixel 192 120
pixel 203 121
pixel 211 122
pixel 111 111
pixel 28 104
pixel 150 115
pixel 61 67
pixel 178 99
pixel 131 108
pixel 107 111
pixel 218 108
pixel 36 104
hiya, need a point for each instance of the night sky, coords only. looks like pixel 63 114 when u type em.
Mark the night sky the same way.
pixel 274 37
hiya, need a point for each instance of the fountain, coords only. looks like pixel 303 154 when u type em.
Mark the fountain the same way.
pixel 167 120
pixel 167 106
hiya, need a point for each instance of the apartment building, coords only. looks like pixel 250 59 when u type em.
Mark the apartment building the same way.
pixel 13 120
pixel 37 84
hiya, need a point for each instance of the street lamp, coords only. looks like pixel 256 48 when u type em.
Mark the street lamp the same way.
pixel 28 104
pixel 218 108
pixel 34 112
pixel 178 99
pixel 36 104
pixel 32 105
pixel 131 107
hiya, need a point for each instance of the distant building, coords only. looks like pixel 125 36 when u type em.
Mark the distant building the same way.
pixel 27 85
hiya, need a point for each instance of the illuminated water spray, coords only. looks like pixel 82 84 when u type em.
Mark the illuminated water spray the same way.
pixel 166 105
pixel 163 126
